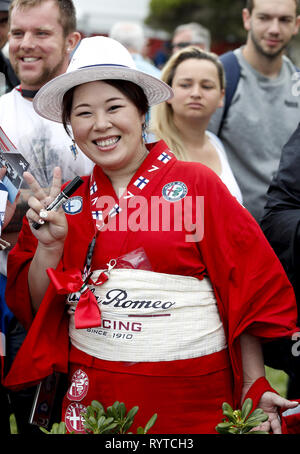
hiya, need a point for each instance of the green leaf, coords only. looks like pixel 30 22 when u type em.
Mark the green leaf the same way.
pixel 112 411
pixel 127 425
pixel 150 423
pixel 227 407
pixel 55 428
pixel 228 412
pixel 258 413
pixel 101 421
pixel 108 421
pixel 62 428
pixel 223 427
pixel 257 417
pixel 122 410
pixel 92 420
pixel 110 428
pixel 97 405
pixel 45 430
pixel 132 412
pixel 246 408
pixel 230 416
pixel 257 420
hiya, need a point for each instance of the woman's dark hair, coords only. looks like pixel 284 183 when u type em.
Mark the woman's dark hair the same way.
pixel 129 89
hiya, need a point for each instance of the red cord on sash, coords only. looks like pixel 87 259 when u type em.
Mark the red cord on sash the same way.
pixel 87 312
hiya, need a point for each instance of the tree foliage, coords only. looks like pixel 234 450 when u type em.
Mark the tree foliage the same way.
pixel 222 17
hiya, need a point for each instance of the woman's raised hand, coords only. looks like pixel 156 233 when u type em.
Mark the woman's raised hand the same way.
pixel 54 226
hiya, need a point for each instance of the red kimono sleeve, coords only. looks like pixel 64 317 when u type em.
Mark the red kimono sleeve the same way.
pixel 252 289
pixel 46 346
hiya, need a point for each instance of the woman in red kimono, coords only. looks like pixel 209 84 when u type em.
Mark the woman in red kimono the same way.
pixel 170 284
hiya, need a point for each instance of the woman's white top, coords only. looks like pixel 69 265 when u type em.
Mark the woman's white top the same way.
pixel 226 175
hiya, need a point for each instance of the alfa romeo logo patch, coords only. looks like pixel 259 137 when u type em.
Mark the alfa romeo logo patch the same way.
pixel 172 192
pixel 79 386
pixel 74 419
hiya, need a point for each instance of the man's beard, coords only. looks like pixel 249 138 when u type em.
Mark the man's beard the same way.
pixel 41 79
pixel 268 54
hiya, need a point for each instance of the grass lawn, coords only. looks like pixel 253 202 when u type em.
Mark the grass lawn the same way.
pixel 13 425
pixel 277 379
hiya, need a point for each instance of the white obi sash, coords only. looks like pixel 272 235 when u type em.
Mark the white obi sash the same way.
pixel 148 316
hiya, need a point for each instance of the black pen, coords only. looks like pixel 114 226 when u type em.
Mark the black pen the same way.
pixel 61 198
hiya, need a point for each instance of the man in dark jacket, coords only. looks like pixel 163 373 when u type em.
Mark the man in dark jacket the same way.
pixel 8 79
pixel 281 225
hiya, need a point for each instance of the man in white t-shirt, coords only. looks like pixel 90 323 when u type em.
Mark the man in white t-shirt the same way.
pixel 42 35
pixel 41 38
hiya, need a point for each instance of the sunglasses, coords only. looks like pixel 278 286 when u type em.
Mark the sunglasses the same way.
pixel 184 44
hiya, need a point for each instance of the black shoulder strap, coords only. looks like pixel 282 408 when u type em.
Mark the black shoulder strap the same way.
pixel 232 73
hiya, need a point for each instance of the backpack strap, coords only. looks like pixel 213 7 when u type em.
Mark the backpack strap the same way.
pixel 232 73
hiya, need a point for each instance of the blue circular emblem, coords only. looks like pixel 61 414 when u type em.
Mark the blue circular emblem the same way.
pixel 172 192
pixel 73 205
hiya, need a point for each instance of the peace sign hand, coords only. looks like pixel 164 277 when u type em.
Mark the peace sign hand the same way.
pixel 54 226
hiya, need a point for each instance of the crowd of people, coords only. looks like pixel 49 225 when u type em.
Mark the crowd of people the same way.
pixel 168 279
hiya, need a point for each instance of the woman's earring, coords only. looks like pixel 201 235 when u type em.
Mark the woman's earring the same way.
pixel 144 132
pixel 73 149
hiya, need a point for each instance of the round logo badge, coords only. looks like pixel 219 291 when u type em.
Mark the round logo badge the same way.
pixel 172 192
pixel 79 386
pixel 74 419
pixel 73 205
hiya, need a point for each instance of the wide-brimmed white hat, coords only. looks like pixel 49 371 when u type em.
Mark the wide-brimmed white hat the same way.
pixel 97 58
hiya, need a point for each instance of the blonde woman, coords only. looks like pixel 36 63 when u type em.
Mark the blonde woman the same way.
pixel 198 82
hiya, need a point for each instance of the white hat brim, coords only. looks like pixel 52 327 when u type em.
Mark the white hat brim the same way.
pixel 48 101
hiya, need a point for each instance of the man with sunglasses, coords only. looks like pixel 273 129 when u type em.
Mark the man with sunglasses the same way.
pixel 190 34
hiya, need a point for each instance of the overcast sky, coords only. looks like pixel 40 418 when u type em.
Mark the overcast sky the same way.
pixel 99 15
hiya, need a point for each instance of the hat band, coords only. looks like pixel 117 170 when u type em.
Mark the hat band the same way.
pixel 105 64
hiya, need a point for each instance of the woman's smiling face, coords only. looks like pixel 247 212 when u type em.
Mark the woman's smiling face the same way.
pixel 107 126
